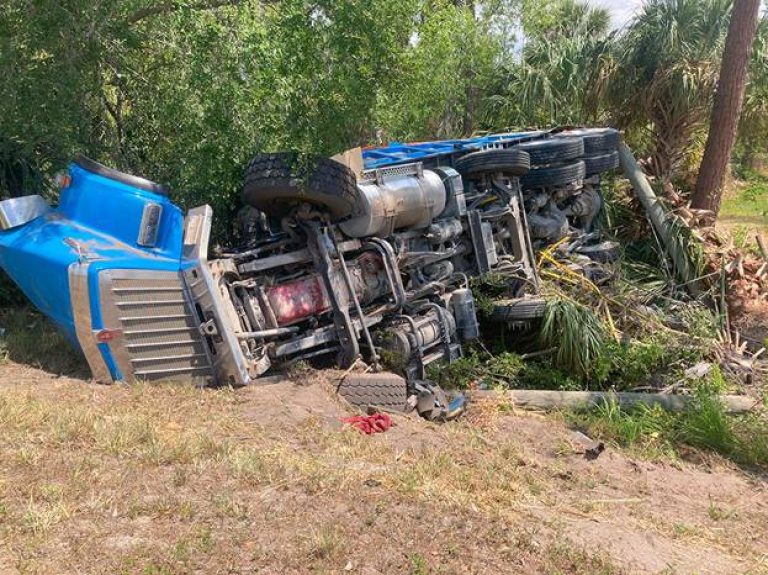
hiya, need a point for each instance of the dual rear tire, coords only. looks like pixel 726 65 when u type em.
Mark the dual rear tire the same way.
pixel 276 183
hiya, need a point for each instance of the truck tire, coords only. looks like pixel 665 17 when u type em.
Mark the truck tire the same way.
pixel 553 150
pixel 554 175
pixel 601 163
pixel 596 140
pixel 520 309
pixel 385 390
pixel 274 183
pixel 511 161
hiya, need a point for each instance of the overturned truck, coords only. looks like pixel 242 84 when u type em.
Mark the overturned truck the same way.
pixel 337 263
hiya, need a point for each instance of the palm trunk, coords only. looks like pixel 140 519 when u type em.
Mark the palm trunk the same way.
pixel 727 109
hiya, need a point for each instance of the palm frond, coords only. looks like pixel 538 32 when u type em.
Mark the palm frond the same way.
pixel 577 334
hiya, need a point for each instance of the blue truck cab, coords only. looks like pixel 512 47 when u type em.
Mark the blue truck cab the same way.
pixel 123 274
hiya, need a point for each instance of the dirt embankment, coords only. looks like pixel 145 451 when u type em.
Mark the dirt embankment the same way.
pixel 171 479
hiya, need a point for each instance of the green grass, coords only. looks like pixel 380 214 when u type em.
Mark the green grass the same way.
pixel 653 432
pixel 622 366
pixel 747 208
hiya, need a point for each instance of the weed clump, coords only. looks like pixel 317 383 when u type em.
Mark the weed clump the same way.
pixel 578 336
pixel 653 431
pixel 479 368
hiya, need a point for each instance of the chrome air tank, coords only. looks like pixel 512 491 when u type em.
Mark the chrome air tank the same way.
pixel 401 197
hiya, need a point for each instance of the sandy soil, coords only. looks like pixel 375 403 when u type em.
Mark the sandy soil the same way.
pixel 171 479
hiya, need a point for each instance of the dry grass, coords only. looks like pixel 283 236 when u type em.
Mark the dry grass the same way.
pixel 168 479
pixel 161 479
pixel 27 337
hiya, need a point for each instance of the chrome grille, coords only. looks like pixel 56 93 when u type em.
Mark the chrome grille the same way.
pixel 158 336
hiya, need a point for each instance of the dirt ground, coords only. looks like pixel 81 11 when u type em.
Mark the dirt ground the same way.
pixel 171 479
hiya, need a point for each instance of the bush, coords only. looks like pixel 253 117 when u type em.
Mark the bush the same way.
pixel 706 426
pixel 478 367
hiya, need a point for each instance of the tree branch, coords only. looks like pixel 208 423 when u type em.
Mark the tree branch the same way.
pixel 168 6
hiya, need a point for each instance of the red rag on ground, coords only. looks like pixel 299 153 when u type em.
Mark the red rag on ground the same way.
pixel 368 424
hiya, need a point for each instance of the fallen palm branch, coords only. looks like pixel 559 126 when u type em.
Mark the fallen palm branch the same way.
pixel 677 238
pixel 707 263
pixel 576 333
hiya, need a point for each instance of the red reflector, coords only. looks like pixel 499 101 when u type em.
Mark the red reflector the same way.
pixel 63 180
pixel 107 335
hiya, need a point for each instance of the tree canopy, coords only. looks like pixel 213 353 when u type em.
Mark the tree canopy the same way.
pixel 184 91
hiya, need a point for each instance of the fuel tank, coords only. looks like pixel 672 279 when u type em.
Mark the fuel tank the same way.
pixel 403 197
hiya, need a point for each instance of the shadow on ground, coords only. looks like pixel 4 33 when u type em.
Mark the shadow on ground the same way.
pixel 29 338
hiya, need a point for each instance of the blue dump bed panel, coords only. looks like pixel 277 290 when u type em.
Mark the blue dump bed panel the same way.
pixel 441 152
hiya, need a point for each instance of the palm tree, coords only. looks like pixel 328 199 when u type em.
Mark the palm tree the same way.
pixel 560 76
pixel 668 63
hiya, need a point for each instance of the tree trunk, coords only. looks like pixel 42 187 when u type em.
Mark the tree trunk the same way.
pixel 727 108
pixel 468 74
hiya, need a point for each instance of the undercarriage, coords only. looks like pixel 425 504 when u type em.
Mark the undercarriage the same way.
pixel 337 264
